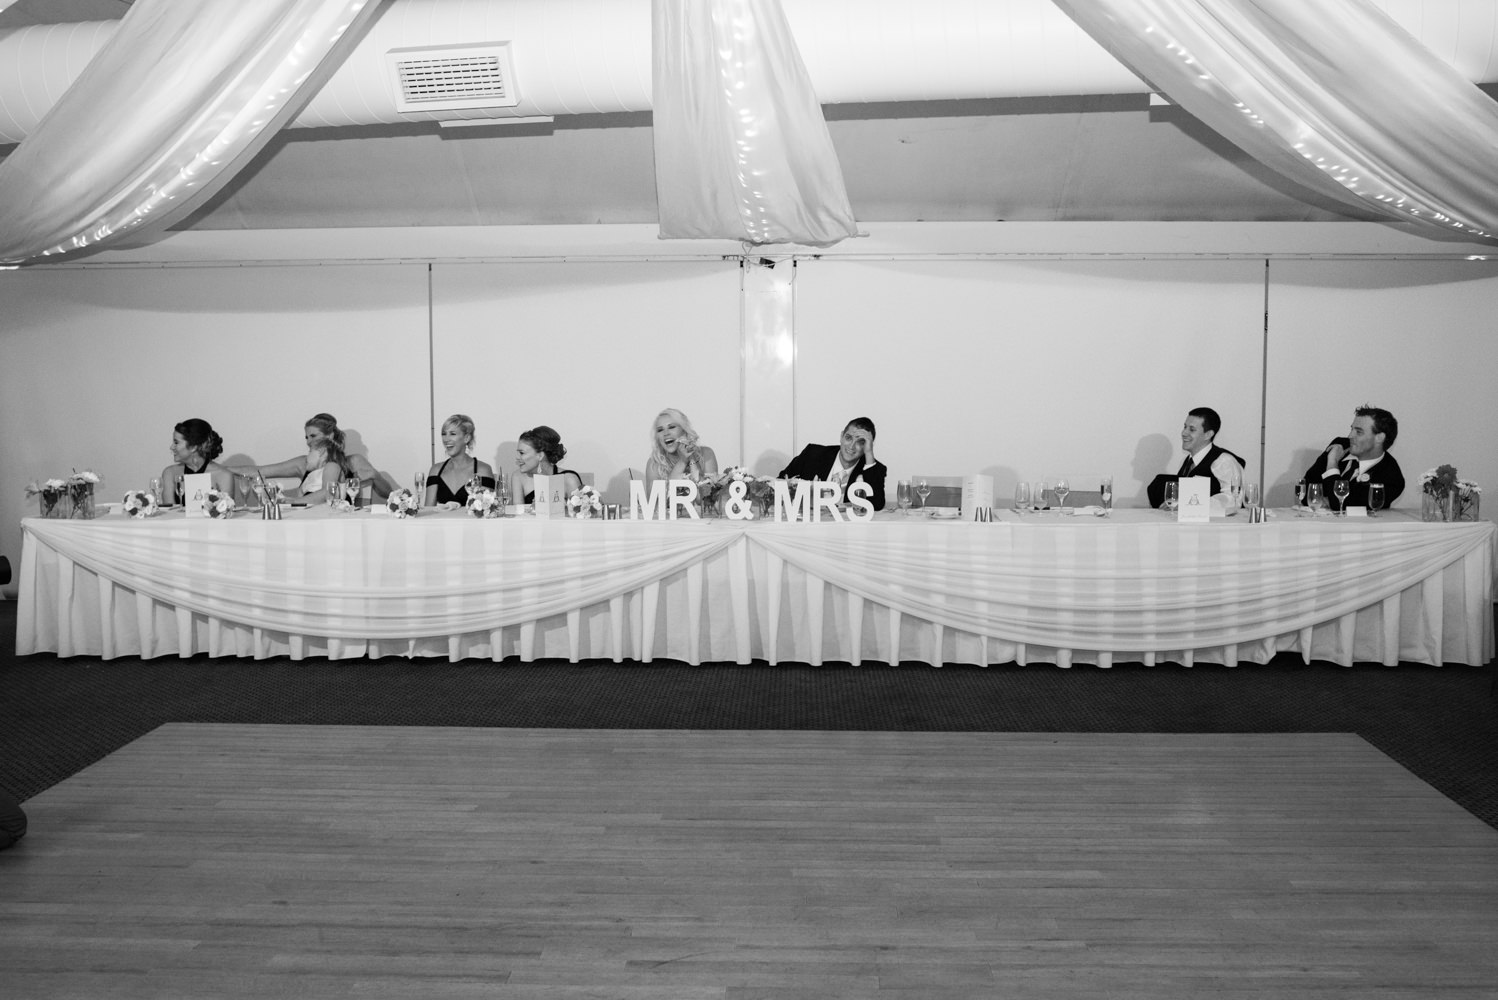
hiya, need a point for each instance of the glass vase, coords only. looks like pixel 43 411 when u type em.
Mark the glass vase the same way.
pixel 1437 506
pixel 83 502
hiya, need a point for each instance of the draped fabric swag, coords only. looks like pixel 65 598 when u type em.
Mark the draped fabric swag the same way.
pixel 1332 94
pixel 1135 585
pixel 182 96
pixel 741 149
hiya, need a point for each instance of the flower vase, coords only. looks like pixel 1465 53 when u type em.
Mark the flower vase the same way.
pixel 1437 506
pixel 584 512
pixel 53 503
pixel 1466 506
pixel 83 502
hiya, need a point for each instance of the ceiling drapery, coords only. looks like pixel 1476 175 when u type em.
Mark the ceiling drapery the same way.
pixel 178 100
pixel 1331 93
pixel 741 149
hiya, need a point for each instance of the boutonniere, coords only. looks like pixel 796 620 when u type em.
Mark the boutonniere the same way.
pixel 1363 478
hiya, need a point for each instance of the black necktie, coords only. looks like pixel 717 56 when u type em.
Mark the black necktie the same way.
pixel 1186 467
pixel 1349 467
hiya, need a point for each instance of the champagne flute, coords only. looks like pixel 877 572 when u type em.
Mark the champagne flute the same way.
pixel 1063 487
pixel 1105 493
pixel 1340 488
pixel 1375 498
pixel 1021 497
pixel 923 491
pixel 334 488
pixel 418 488
pixel 902 496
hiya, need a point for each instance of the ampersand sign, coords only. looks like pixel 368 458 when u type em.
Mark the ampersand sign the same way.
pixel 738 506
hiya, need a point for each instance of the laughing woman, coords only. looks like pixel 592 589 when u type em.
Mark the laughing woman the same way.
pixel 677 453
pixel 447 482
pixel 195 445
pixel 324 462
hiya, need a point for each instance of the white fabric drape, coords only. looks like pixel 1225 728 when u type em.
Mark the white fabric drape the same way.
pixel 182 96
pixel 1332 94
pixel 1075 590
pixel 741 148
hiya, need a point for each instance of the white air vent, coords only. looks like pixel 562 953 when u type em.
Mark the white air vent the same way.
pixel 453 77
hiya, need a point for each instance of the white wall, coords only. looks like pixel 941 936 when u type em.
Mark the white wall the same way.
pixel 1014 367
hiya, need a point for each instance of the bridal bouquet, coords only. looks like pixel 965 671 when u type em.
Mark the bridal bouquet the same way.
pixel 485 503
pixel 403 503
pixel 585 502
pixel 217 503
pixel 140 503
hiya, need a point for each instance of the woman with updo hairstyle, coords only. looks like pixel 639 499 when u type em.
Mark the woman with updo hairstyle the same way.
pixel 447 482
pixel 540 452
pixel 324 462
pixel 195 445
pixel 676 452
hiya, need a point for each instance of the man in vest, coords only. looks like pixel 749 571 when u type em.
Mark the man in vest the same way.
pixel 1362 458
pixel 1204 457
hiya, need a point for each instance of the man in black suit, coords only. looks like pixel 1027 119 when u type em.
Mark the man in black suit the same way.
pixel 1362 458
pixel 851 461
pixel 1205 458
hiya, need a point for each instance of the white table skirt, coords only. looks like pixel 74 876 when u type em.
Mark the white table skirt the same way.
pixel 1038 589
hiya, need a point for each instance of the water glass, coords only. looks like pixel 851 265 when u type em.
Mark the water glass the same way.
pixel 902 495
pixel 156 489
pixel 1314 497
pixel 1300 493
pixel 335 486
pixel 178 497
pixel 1375 498
pixel 1022 497
pixel 1037 495
pixel 1251 494
pixel 1172 492
pixel 1105 493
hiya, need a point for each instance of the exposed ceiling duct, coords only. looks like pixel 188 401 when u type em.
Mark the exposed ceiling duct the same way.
pixel 574 57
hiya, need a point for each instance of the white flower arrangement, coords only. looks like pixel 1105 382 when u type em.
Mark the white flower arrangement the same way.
pixel 484 503
pixel 585 502
pixel 217 503
pixel 51 487
pixel 140 503
pixel 403 503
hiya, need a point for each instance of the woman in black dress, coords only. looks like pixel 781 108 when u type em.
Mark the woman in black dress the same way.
pixel 447 481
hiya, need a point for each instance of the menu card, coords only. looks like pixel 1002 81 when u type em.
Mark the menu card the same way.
pixel 195 487
pixel 1195 496
pixel 977 497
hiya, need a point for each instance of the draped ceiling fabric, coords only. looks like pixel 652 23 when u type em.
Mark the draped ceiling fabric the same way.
pixel 182 96
pixel 741 148
pixel 1331 93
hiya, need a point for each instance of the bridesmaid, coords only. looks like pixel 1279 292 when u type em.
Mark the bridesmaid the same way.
pixel 447 482
pixel 676 452
pixel 195 445
pixel 539 452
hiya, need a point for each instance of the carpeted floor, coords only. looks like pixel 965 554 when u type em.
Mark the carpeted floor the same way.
pixel 57 716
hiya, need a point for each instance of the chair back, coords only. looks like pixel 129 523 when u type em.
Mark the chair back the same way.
pixel 946 491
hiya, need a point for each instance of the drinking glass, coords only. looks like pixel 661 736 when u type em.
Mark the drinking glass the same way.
pixel 178 484
pixel 335 487
pixel 1172 491
pixel 1375 498
pixel 1022 497
pixel 156 489
pixel 501 491
pixel 1251 494
pixel 1300 493
pixel 1105 493
pixel 902 496
pixel 419 488
pixel 1340 489
pixel 923 491
pixel 1063 487
pixel 1037 495
pixel 1314 496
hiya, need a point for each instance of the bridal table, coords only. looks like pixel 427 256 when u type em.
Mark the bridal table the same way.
pixel 1037 588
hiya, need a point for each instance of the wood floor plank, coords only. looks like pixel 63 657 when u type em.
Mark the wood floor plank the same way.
pixel 228 861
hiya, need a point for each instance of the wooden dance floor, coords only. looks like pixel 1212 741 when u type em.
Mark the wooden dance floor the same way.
pixel 290 861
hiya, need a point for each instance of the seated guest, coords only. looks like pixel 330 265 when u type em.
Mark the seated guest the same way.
pixel 1362 458
pixel 538 452
pixel 1205 458
pixel 195 445
pixel 447 482
pixel 850 462
pixel 324 462
pixel 677 453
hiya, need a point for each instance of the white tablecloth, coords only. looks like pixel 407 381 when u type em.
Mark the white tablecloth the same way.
pixel 1042 588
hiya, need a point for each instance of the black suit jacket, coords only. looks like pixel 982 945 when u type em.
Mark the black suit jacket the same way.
pixel 816 459
pixel 1387 471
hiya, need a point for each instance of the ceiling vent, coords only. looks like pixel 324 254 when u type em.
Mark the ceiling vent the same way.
pixel 453 77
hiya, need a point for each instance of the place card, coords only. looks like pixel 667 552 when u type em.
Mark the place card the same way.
pixel 195 489
pixel 551 499
pixel 1194 500
pixel 1357 511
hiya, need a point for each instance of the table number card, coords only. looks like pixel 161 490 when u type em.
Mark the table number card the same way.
pixel 195 489
pixel 1195 495
pixel 977 496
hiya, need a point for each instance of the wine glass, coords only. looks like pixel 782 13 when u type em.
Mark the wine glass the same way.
pixel 1340 488
pixel 1375 498
pixel 1172 491
pixel 1105 493
pixel 902 496
pixel 1300 493
pixel 923 491
pixel 1021 497
pixel 1062 489
pixel 334 489
pixel 1315 499
pixel 1037 495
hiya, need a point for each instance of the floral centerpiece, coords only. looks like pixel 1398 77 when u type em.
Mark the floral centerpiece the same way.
pixel 485 503
pixel 51 493
pixel 217 503
pixel 1446 497
pixel 585 502
pixel 81 492
pixel 736 485
pixel 140 503
pixel 403 503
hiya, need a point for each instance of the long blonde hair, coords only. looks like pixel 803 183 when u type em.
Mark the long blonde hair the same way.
pixel 662 463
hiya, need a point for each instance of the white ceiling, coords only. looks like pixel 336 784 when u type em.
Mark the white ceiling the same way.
pixel 1097 158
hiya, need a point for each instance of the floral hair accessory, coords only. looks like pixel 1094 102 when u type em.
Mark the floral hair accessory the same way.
pixel 140 503
pixel 403 503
